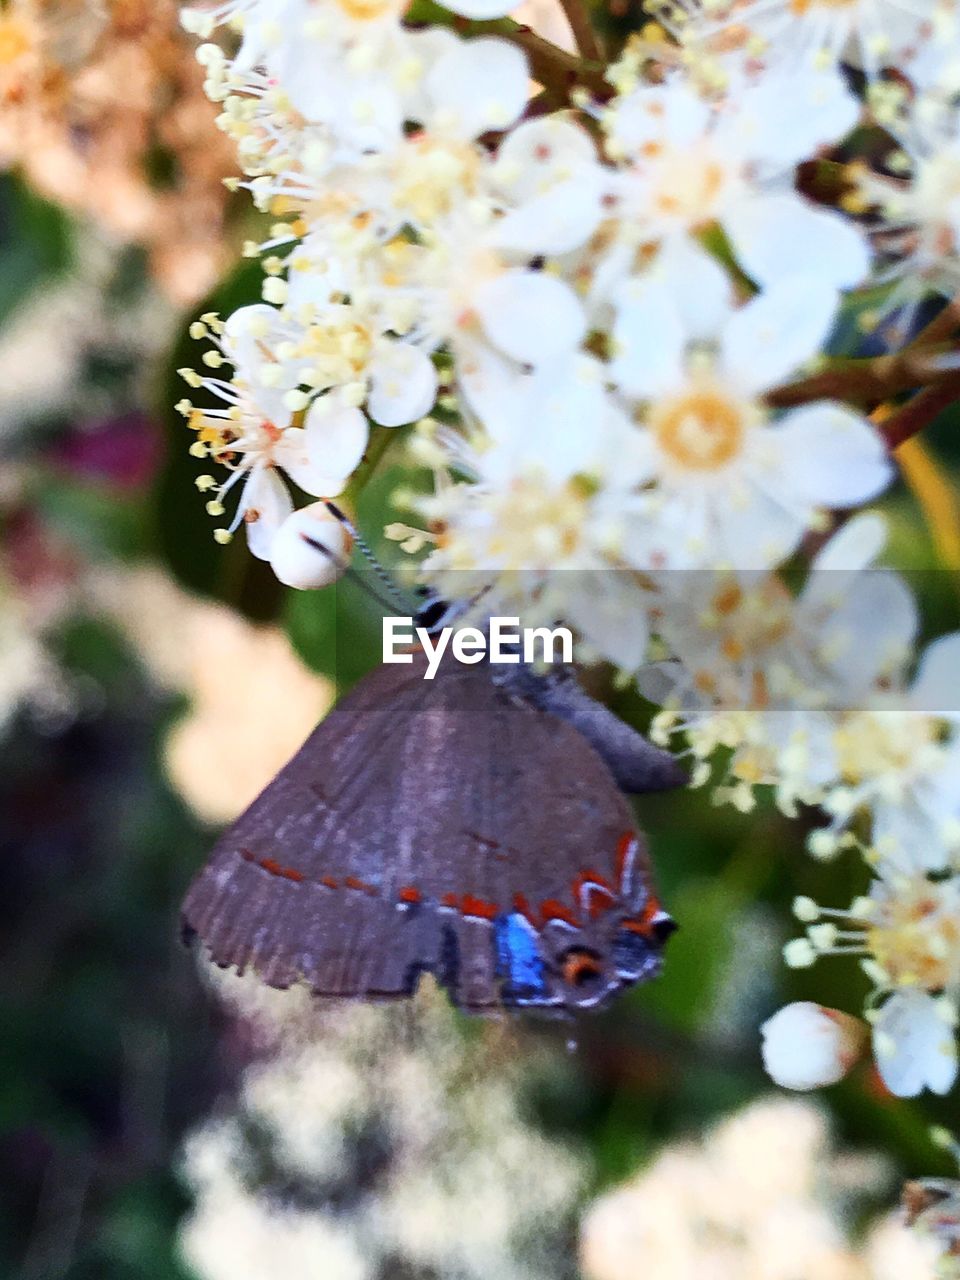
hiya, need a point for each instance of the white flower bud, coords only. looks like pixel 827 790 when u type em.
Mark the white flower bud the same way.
pixel 311 548
pixel 806 1045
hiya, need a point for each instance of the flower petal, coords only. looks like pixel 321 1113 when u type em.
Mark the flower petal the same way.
pixel 914 1046
pixel 778 235
pixel 403 384
pixel 700 287
pixel 832 456
pixel 785 118
pixel 855 546
pixel 649 340
pixel 777 332
pixel 480 85
pixel 538 154
pixel 529 315
pixel 556 221
pixel 336 439
pixel 937 686
pixel 266 503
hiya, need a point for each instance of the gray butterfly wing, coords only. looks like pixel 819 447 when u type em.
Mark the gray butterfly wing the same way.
pixel 415 820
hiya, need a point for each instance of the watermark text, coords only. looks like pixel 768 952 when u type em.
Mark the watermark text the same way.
pixel 503 640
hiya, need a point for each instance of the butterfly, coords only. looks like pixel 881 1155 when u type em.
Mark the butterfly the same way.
pixel 473 827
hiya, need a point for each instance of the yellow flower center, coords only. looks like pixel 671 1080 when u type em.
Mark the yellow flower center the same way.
pixel 917 941
pixel 434 175
pixel 802 7
pixel 873 744
pixel 687 185
pixel 750 623
pixel 533 525
pixel 338 352
pixel 702 430
pixel 369 10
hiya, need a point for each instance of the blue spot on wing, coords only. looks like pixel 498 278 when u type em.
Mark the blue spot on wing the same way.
pixel 519 963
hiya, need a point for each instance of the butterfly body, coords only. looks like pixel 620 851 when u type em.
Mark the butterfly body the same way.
pixel 452 826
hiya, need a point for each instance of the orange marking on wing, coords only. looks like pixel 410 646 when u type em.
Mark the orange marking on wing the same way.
pixel 248 855
pixel 643 923
pixel 329 882
pixel 553 909
pixel 408 893
pixel 449 900
pixel 290 874
pixel 471 906
pixel 522 907
pixel 363 886
pixel 271 865
pixel 600 894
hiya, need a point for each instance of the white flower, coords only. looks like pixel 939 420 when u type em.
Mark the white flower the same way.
pixel 806 1045
pixel 914 1045
pixel 255 437
pixel 908 931
pixel 782 36
pixel 542 515
pixel 684 163
pixel 729 486
pixel 915 204
pixel 465 295
pixel 549 173
pixel 353 344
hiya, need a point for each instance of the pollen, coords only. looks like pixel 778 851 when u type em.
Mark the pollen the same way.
pixel 702 430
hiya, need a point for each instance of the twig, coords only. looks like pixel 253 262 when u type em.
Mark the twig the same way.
pixel 867 381
pixel 588 42
pixel 555 69
pixel 920 411
pixel 877 379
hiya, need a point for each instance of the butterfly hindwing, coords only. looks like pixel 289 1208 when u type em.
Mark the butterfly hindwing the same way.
pixel 445 826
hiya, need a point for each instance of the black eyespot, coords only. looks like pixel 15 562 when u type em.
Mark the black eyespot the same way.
pixel 664 928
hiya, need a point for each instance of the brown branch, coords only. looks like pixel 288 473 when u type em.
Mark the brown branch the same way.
pixel 867 381
pixel 587 40
pixel 918 413
pixel 556 70
pixel 881 377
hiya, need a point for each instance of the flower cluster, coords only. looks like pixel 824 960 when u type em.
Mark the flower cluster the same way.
pixel 761 1196
pixel 932 1207
pixel 370 1145
pixel 615 312
pixel 104 112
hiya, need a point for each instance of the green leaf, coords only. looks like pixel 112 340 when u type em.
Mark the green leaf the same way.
pixel 34 242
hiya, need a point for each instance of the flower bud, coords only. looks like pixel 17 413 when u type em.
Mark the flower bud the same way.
pixel 310 549
pixel 806 1045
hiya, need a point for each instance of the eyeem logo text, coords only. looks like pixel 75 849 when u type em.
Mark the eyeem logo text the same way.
pixel 504 640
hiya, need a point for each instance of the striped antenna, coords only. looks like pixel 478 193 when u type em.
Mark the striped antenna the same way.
pixel 386 581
